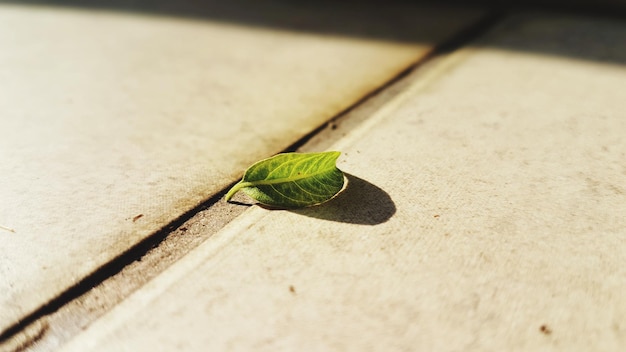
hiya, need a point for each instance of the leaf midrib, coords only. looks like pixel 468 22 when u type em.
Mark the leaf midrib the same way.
pixel 284 179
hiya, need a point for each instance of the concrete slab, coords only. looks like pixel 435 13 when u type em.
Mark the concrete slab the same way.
pixel 485 213
pixel 115 124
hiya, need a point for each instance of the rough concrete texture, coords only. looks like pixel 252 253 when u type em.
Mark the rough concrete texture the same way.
pixel 486 213
pixel 115 124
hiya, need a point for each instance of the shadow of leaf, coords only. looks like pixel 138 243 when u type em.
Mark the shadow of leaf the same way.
pixel 360 203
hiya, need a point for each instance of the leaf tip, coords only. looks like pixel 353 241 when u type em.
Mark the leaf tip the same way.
pixel 335 154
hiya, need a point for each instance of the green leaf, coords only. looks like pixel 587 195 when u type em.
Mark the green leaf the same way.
pixel 292 180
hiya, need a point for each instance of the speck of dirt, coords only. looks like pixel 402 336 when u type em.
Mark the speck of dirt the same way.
pixel 183 229
pixel 545 329
pixel 332 125
pixel 137 217
pixel 436 216
pixel 7 228
pixel 292 289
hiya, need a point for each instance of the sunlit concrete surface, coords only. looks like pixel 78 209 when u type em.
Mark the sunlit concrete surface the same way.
pixel 114 124
pixel 485 212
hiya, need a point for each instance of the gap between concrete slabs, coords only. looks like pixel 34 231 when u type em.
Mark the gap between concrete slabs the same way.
pixel 83 303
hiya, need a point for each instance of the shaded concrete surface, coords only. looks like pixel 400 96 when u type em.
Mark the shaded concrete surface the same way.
pixel 506 171
pixel 114 124
pixel 386 20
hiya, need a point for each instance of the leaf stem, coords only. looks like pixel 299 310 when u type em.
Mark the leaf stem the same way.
pixel 236 189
